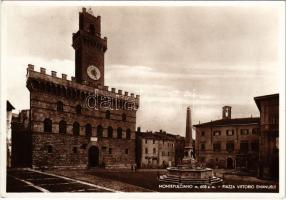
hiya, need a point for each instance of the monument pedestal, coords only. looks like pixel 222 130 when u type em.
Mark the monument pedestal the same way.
pixel 189 172
pixel 193 176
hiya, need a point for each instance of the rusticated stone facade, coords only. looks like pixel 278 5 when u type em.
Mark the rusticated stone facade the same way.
pixel 80 122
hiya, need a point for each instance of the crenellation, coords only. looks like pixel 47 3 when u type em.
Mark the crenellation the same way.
pixel 64 76
pixel 54 74
pixel 75 84
pixel 43 70
pixel 105 88
pixel 58 105
pixel 31 67
pixel 56 80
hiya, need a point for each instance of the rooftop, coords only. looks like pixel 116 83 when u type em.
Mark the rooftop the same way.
pixel 159 135
pixel 53 80
pixel 265 97
pixel 9 106
pixel 228 122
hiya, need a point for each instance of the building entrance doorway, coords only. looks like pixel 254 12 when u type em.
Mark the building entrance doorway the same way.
pixel 229 163
pixel 93 156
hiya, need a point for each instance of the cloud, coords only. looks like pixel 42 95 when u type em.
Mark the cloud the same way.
pixel 173 57
pixel 16 67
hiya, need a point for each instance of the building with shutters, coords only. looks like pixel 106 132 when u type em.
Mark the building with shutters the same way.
pixel 228 143
pixel 158 149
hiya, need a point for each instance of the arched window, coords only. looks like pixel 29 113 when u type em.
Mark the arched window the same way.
pixel 60 106
pixel 63 91
pixel 48 87
pixel 119 133
pixel 78 109
pixel 110 132
pixel 124 117
pixel 107 114
pixel 76 128
pixel 88 130
pixel 99 131
pixel 50 148
pixel 91 28
pixel 62 127
pixel 128 134
pixel 74 150
pixel 54 89
pixel 47 125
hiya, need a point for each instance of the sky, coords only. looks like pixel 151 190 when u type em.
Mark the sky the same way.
pixel 174 57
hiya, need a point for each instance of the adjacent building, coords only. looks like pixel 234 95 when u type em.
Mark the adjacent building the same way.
pixel 78 122
pixel 179 149
pixel 157 149
pixel 9 109
pixel 21 139
pixel 268 106
pixel 248 143
pixel 227 142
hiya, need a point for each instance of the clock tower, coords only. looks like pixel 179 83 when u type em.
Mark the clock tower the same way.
pixel 89 50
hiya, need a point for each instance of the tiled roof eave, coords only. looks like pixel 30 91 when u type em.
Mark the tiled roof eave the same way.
pixel 215 125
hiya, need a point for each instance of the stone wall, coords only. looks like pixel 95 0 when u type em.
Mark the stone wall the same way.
pixel 54 149
pixel 63 155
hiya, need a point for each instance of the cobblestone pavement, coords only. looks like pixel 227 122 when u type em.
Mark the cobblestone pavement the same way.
pixel 25 180
pixel 89 176
pixel 102 180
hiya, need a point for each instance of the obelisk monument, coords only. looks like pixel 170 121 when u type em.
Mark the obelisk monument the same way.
pixel 188 150
pixel 189 139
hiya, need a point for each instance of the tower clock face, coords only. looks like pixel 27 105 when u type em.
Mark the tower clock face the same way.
pixel 93 72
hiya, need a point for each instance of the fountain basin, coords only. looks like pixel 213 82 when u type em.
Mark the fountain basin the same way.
pixel 187 175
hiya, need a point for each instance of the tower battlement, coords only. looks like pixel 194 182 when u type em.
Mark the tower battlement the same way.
pixel 54 81
pixel 78 121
